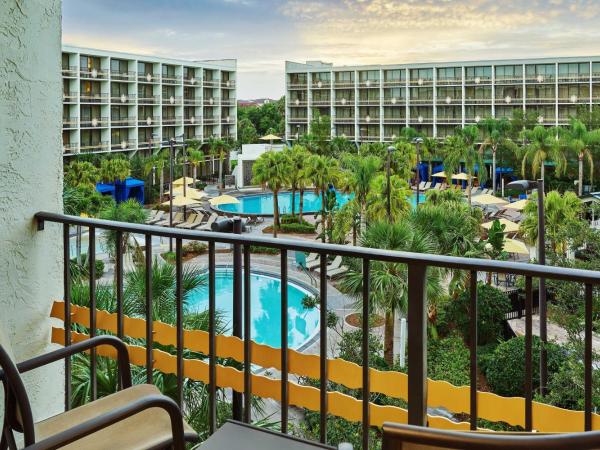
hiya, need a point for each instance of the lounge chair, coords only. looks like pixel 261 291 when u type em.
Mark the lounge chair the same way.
pixel 208 225
pixel 335 268
pixel 313 263
pixel 154 216
pixel 426 186
pixel 137 416
pixel 334 273
pixel 191 222
pixel 312 257
pixel 177 219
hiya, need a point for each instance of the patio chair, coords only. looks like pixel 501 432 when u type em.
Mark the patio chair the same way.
pixel 134 417
pixel 411 437
pixel 332 268
pixel 207 226
pixel 193 219
pixel 426 186
pixel 177 219
pixel 155 216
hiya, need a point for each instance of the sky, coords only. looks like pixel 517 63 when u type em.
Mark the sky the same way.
pixel 263 34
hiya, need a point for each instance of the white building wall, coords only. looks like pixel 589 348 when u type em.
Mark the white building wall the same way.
pixel 30 181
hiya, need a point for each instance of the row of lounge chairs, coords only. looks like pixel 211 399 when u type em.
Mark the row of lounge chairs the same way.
pixel 426 185
pixel 335 269
pixel 198 220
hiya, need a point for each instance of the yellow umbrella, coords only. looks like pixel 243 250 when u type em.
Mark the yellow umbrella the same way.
pixel 519 206
pixel 189 192
pixel 439 175
pixel 510 227
pixel 461 176
pixel 270 137
pixel 181 201
pixel 514 246
pixel 179 181
pixel 223 200
pixel 487 199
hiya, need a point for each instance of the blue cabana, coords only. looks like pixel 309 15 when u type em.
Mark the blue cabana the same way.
pixel 106 189
pixel 130 188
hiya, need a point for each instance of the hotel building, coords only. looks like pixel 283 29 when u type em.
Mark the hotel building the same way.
pixel 373 103
pixel 120 102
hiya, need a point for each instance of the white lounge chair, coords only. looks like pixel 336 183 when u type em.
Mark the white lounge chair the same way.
pixel 207 226
pixel 335 268
pixel 177 219
pixel 193 220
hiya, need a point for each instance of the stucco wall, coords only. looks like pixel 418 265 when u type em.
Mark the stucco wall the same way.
pixel 30 181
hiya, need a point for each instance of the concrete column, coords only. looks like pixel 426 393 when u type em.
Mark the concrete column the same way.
pixel 30 181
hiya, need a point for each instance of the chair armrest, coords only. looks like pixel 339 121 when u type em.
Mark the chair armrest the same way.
pixel 105 420
pixel 118 344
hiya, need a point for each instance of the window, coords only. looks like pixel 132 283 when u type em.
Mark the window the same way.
pixel 395 75
pixel 145 91
pixel 168 91
pixel 118 89
pixel 478 92
pixel 344 77
pixel 347 94
pixel 540 71
pixel 394 113
pixel 189 73
pixel 513 93
pixel 295 78
pixel 321 76
pixel 321 95
pixel 145 68
pixel 89 62
pixel 424 112
pixel 344 113
pixel 168 112
pixel 421 93
pixel 571 70
pixel 90 138
pixel 399 93
pixel 368 95
pixel 454 92
pixel 421 74
pixel 481 72
pixel 189 93
pixel 118 135
pixel 567 91
pixel 449 112
pixel 168 71
pixel 369 75
pixel 145 111
pixel 66 87
pixel 509 72
pixel 118 112
pixel 541 91
pixel 65 61
pixel 449 73
pixel 118 66
pixel 90 88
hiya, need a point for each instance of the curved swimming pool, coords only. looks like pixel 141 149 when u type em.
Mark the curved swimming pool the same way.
pixel 303 324
pixel 262 204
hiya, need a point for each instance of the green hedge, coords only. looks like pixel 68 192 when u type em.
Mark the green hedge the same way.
pixel 264 250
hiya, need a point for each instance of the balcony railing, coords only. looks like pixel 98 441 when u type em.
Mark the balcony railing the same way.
pixel 93 148
pixel 71 148
pixel 368 84
pixel 227 120
pixel 448 119
pixel 70 97
pixel 192 81
pixel 420 120
pixel 192 120
pixel 344 101
pixel 321 102
pixel 94 74
pixel 342 119
pixel 368 119
pixel 123 121
pixel 509 79
pixel 447 100
pixel 228 102
pixel 214 101
pixel 211 120
pixel 413 387
pixel 420 81
pixel 297 119
pixel 148 121
pixel 540 99
pixel 70 72
pixel 421 101
pixel 125 99
pixel 123 76
pixel 574 99
pixel 394 119
pixel 297 85
pixel 148 78
pixel 394 83
pixel 94 98
pixel 574 77
pixel 478 80
pixel 297 102
pixel 126 144
pixel 344 84
pixel 368 138
pixel 479 101
pixel 70 122
pixel 229 84
pixel 211 83
pixel 171 100
pixel 539 78
pixel 392 101
pixel 171 120
pixel 192 101
pixel 94 122
pixel 322 84
pixel 368 101
pixel 171 79
pixel 449 80
pixel 152 100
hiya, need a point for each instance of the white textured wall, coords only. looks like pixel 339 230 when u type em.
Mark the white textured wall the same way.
pixel 30 181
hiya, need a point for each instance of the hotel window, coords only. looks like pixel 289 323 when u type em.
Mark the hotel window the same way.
pixel 90 138
pixel 145 111
pixel 511 93
pixel 144 68
pixel 472 112
pixel 89 63
pixel 368 95
pixel 573 91
pixel 89 112
pixel 370 111
pixel 188 112
pixel 297 95
pixel 395 75
pixel 478 92
pixel 394 113
pixel 484 73
pixel 298 113
pixel 369 75
pixel 118 66
pixel 168 133
pixel 118 89
pixel 65 61
pixel 449 112
pixel 421 111
pixel 226 76
pixel 90 88
pixel 345 131
pixel 297 78
pixel 344 77
pixel 119 112
pixel 399 93
pixel 452 92
pixel 321 95
pixel 321 76
pixel 66 87
pixel 168 71
pixel 421 93
pixel 506 111
pixel 421 74
pixel 573 70
pixel 540 72
pixel 449 73
pixel 208 112
pixel 344 113
pixel 547 112
pixel 347 94
pixel 189 73
pixel 596 69
pixel 168 112
pixel 145 91
pixel 189 93
pixel 509 72
pixel 168 92
pixel 144 135
pixel 541 91
pixel 118 135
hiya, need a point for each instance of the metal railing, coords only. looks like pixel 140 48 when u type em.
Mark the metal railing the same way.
pixel 126 144
pixel 94 98
pixel 123 76
pixel 124 99
pixel 94 74
pixel 123 121
pixel 152 100
pixel 71 148
pixel 228 102
pixel 174 79
pixel 228 84
pixel 94 122
pixel 172 120
pixel 70 97
pixel 211 83
pixel 70 71
pixel 171 99
pixel 144 122
pixel 192 101
pixel 70 122
pixel 417 264
pixel 148 78
pixel 97 147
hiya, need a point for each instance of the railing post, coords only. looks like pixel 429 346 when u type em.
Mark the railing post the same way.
pixel 237 308
pixel 417 345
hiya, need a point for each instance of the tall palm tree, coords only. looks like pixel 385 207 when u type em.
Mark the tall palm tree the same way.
pixel 340 145
pixel 218 149
pixel 389 281
pixel 430 150
pixel 542 145
pixel 296 159
pixel 323 172
pixel 580 142
pixel 158 162
pixel 400 193
pixel 360 173
pixel 461 148
pixel 128 211
pixel 114 169
pixel 81 174
pixel 195 158
pixel 270 170
pixel 495 132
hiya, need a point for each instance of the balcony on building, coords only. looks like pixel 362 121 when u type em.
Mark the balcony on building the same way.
pixel 368 79
pixel 344 79
pixel 476 75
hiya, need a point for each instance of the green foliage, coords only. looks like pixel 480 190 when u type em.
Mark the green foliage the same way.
pixel 247 133
pixel 492 306
pixel 129 211
pixel 81 174
pixel 298 228
pixel 114 169
pixel 506 370
pixel 82 270
pixel 266 119
pixel 495 242
pixel 448 360
pixel 85 200
pixel 264 250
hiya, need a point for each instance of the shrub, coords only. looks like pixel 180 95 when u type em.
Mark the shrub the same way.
pixel 83 269
pixel 264 250
pixel 505 370
pixel 298 228
pixel 448 360
pixel 492 306
pixel 195 247
pixel 288 219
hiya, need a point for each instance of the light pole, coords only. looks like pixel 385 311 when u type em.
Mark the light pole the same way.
pixel 525 185
pixel 171 149
pixel 390 149
pixel 418 141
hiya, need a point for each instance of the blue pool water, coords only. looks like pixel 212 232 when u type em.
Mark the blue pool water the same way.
pixel 265 307
pixel 263 203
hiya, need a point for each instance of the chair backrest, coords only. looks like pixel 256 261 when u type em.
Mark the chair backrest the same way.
pixel 410 437
pixel 17 409
pixel 301 259
pixel 337 262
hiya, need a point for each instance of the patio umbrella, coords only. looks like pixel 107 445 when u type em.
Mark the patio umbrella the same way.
pixel 270 138
pixel 439 175
pixel 223 200
pixel 189 192
pixel 519 206
pixel 514 246
pixel 487 199
pixel 510 227
pixel 180 181
pixel 461 176
pixel 180 200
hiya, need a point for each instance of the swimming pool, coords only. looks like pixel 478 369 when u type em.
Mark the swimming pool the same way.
pixel 303 324
pixel 262 204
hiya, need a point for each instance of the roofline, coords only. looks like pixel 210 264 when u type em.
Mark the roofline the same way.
pixel 222 64
pixel 437 64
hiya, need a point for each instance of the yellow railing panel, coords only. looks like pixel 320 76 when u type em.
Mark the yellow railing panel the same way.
pixel 491 407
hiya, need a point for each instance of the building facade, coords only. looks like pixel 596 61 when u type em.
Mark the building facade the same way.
pixel 118 102
pixel 373 103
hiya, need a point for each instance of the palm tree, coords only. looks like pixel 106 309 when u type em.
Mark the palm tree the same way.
pixel 400 193
pixel 361 171
pixel 115 169
pixel 430 150
pixel 389 281
pixel 580 142
pixel 562 213
pixel 296 159
pixel 128 211
pixel 542 145
pixel 461 148
pixel 158 162
pixel 495 132
pixel 340 145
pixel 347 218
pixel 195 158
pixel 322 171
pixel 218 148
pixel 81 174
pixel 270 170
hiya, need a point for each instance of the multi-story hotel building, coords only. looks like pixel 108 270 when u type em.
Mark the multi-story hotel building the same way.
pixel 119 102
pixel 373 103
